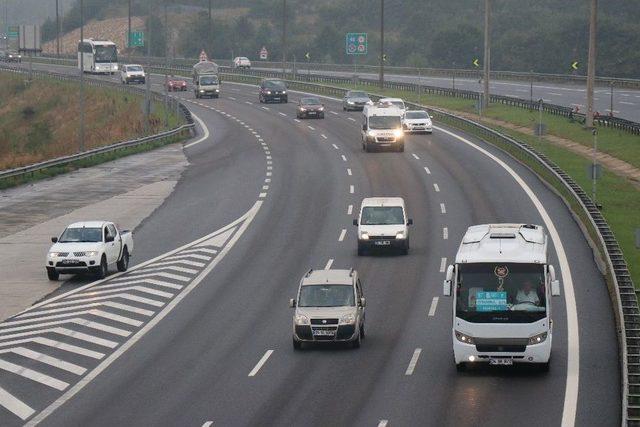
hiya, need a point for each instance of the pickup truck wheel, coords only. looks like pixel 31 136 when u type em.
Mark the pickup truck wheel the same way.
pixel 103 270
pixel 297 345
pixel 123 264
pixel 52 274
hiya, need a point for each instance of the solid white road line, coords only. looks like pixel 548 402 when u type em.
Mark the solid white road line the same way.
pixel 426 169
pixel 434 305
pixel 445 233
pixel 158 274
pixel 573 337
pixel 415 156
pixel 342 234
pixel 15 405
pixel 204 129
pixel 48 360
pixel 443 265
pixel 329 264
pixel 627 103
pixel 413 361
pixel 170 267
pixel 443 208
pixel 350 210
pixel 180 261
pixel 117 305
pixel 436 187
pixel 351 189
pixel 261 362
pixel 33 375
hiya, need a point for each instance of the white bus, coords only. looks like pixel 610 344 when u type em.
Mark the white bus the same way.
pixel 100 56
pixel 502 287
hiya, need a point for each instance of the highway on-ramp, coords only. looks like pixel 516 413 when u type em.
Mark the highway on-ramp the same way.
pixel 265 198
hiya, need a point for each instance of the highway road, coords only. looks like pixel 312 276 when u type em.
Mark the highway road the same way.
pixel 626 102
pixel 199 330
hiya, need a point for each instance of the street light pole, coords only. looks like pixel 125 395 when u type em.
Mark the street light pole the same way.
pixel 284 38
pixel 166 66
pixel 147 79
pixel 487 51
pixel 611 107
pixel 81 142
pixel 210 31
pixel 381 74
pixel 57 29
pixel 591 69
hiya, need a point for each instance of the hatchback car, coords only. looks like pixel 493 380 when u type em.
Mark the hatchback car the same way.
pixel 329 308
pixel 273 90
pixel 310 107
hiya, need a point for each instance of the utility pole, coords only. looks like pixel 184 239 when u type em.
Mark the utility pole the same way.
pixel 284 38
pixel 166 66
pixel 611 107
pixel 57 29
pixel 209 32
pixel 591 69
pixel 381 73
pixel 487 51
pixel 147 79
pixel 81 142
pixel 129 30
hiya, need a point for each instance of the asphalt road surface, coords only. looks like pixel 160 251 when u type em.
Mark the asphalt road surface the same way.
pixel 265 198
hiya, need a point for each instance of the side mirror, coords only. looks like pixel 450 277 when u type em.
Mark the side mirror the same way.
pixel 355 222
pixel 292 303
pixel 54 240
pixel 410 221
pixel 109 239
pixel 446 288
pixel 363 302
pixel 555 288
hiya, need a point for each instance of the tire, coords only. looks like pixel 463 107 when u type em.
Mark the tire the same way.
pixel 321 116
pixel 461 367
pixel 405 249
pixel 103 270
pixel 52 274
pixel 297 345
pixel 401 148
pixel 360 250
pixel 356 342
pixel 362 334
pixel 123 264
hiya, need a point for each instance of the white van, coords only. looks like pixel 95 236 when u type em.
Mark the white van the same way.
pixel 382 128
pixel 383 224
pixel 393 102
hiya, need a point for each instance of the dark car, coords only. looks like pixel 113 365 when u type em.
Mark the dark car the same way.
pixel 273 91
pixel 310 107
pixel 355 100
pixel 10 56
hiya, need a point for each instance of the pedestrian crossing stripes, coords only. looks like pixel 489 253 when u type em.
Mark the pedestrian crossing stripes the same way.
pixel 57 342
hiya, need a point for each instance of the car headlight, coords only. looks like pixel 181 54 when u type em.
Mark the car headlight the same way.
pixel 201 90
pixel 537 339
pixel 321 109
pixel 364 236
pixel 350 102
pixel 284 92
pixel 348 319
pixel 303 109
pixel 397 133
pixel 217 90
pixel 400 235
pixel 301 319
pixel 464 338
pixel 268 92
pixel 370 133
pixel 54 254
pixel 91 253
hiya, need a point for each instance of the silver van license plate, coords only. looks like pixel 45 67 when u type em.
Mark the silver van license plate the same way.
pixel 503 362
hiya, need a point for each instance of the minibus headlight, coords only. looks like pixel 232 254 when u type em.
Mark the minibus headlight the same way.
pixel 464 338
pixel 537 339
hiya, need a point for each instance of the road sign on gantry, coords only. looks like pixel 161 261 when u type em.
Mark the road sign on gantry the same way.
pixel 356 43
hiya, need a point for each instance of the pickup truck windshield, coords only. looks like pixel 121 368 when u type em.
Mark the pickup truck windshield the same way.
pixel 384 122
pixel 81 235
pixel 208 80
pixel 501 292
pixel 326 296
pixel 106 54
pixel 383 215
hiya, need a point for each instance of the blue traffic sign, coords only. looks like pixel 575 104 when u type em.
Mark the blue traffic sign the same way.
pixel 356 43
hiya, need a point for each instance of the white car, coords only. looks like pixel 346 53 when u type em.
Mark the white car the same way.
pixel 329 308
pixel 393 102
pixel 132 73
pixel 417 121
pixel 383 223
pixel 241 62
pixel 89 247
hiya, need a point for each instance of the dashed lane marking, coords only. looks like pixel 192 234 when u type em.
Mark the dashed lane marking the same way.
pixel 434 306
pixel 443 265
pixel 436 187
pixel 329 264
pixel 415 156
pixel 427 170
pixel 443 208
pixel 413 362
pixel 342 234
pixel 260 363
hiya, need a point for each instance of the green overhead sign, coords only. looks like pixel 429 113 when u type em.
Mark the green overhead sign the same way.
pixel 136 39
pixel 356 43
pixel 13 31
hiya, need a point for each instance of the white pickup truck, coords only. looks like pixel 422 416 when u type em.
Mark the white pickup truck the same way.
pixel 89 247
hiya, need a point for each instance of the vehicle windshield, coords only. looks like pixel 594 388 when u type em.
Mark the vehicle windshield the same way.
pixel 326 296
pixel 384 122
pixel 274 84
pixel 357 95
pixel 501 293
pixel 208 80
pixel 310 101
pixel 398 104
pixel 134 68
pixel 416 115
pixel 106 54
pixel 81 235
pixel 382 215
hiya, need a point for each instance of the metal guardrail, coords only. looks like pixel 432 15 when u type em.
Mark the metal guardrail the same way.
pixel 65 160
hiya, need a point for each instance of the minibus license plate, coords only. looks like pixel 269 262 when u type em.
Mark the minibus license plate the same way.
pixel 382 242
pixel 323 333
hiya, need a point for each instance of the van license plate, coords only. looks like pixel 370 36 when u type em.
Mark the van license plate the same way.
pixel 382 242
pixel 503 362
pixel 323 333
